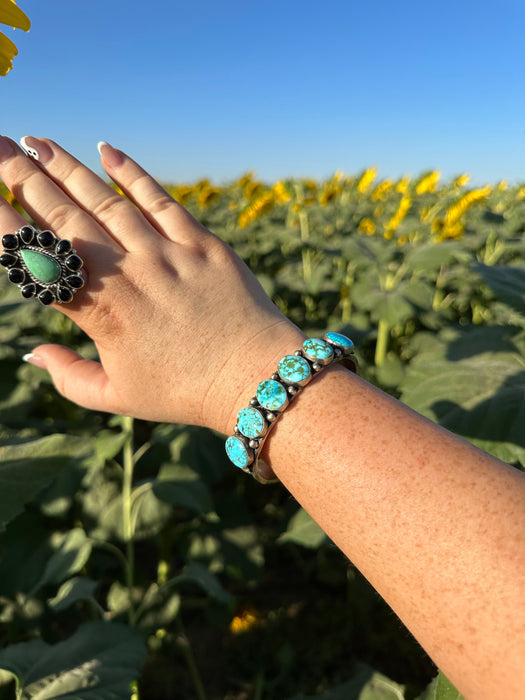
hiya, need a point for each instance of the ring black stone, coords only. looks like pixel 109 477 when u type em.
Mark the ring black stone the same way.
pixel 43 266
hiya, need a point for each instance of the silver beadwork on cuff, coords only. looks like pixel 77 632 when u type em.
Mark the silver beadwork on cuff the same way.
pixel 274 395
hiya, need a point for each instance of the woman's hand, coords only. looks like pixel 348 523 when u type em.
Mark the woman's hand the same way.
pixel 183 329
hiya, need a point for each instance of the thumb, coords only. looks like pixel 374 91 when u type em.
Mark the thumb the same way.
pixel 84 382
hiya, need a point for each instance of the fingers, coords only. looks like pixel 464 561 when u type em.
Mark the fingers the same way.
pixel 10 219
pixel 82 381
pixel 62 194
pixel 43 199
pixel 88 191
pixel 161 210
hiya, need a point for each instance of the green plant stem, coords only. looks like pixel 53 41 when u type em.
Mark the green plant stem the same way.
pixel 141 451
pixel 259 686
pixel 383 331
pixel 128 464
pixel 439 294
pixel 187 650
pixel 306 254
pixel 346 305
pixel 110 548
pixel 494 248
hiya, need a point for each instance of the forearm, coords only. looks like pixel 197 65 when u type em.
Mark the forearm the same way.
pixel 436 526
pixel 419 512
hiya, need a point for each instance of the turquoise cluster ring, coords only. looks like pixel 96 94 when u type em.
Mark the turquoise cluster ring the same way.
pixel 42 265
pixel 273 396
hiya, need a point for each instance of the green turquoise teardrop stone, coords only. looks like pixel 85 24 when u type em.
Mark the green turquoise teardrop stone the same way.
pixel 42 267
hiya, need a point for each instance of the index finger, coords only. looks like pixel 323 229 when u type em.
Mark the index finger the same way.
pixel 44 265
pixel 47 203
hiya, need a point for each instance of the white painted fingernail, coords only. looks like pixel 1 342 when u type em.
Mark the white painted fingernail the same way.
pixel 28 149
pixel 37 149
pixel 35 360
pixel 111 157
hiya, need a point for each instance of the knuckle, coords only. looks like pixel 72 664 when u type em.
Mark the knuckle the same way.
pixel 60 215
pixel 110 206
pixel 219 252
pixel 68 170
pixel 156 199
pixel 112 401
pixel 60 384
pixel 136 181
pixel 159 203
pixel 103 317
pixel 65 383
pixel 23 179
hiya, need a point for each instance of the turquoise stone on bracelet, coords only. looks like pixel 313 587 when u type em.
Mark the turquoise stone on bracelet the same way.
pixel 250 422
pixel 237 452
pixel 41 266
pixel 255 422
pixel 272 395
pixel 316 349
pixel 340 340
pixel 293 369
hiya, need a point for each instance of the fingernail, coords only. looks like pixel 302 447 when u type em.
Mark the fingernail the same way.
pixel 110 155
pixel 35 360
pixel 6 149
pixel 37 149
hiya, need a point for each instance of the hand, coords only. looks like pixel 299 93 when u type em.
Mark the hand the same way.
pixel 183 329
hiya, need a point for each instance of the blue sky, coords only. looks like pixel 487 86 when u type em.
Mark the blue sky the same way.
pixel 204 88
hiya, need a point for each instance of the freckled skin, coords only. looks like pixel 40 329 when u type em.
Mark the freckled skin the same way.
pixel 419 512
pixel 436 525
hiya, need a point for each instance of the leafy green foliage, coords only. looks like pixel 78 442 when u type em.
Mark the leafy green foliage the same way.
pixel 507 283
pixel 75 589
pixel 134 552
pixel 98 662
pixel 440 689
pixel 27 466
pixel 365 685
pixel 303 530
pixel 483 397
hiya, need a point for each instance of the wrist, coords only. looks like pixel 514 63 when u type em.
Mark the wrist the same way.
pixel 314 407
pixel 253 361
pixel 274 395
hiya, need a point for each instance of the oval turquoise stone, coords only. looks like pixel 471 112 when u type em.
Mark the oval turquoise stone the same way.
pixel 271 395
pixel 42 267
pixel 341 340
pixel 250 422
pixel 316 349
pixel 293 369
pixel 237 452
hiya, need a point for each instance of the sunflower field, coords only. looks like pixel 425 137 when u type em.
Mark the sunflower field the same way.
pixel 135 562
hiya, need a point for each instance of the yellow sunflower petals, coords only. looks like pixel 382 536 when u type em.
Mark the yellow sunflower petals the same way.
pixel 13 16
pixel 7 52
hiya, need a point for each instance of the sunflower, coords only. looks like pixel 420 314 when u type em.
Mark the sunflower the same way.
pixel 13 16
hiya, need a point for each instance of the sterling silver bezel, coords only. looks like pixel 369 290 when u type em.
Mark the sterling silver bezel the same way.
pixel 56 285
pixel 255 445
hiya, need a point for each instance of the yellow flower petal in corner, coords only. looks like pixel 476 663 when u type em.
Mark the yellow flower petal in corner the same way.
pixel 13 16
pixel 7 52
